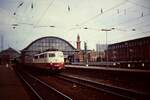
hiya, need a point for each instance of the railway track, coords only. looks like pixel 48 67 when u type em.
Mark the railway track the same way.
pixel 114 90
pixel 42 90
pixel 77 90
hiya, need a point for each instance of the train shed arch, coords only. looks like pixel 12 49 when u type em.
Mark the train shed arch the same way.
pixel 47 43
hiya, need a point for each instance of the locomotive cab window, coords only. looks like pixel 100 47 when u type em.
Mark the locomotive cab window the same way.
pixel 51 55
pixel 61 56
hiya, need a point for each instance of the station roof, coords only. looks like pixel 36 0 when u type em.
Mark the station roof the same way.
pixel 49 38
pixel 10 52
pixel 48 43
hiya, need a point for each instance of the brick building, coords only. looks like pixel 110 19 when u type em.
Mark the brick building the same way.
pixel 80 56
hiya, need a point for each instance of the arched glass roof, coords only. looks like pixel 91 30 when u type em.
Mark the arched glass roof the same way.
pixel 46 43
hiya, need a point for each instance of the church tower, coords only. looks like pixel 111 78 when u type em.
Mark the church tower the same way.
pixel 78 42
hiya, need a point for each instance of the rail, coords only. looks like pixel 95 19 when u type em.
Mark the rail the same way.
pixel 114 90
pixel 42 90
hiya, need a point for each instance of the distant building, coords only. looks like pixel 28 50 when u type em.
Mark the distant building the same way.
pixel 80 55
pixel 78 43
pixel 8 55
pixel 100 49
pixel 92 55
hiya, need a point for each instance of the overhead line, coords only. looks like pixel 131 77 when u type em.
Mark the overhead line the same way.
pixel 42 15
pixel 138 25
pixel 143 6
pixel 130 35
pixel 131 20
pixel 144 26
pixel 92 18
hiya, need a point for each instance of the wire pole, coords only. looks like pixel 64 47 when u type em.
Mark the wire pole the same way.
pixel 106 30
pixel 106 50
pixel 85 54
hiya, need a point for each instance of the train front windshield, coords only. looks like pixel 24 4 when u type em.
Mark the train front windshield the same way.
pixel 51 55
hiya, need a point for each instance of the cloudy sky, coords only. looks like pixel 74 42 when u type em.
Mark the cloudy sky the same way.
pixel 23 21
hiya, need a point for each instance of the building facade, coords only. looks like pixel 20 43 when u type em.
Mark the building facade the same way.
pixel 8 56
pixel 81 56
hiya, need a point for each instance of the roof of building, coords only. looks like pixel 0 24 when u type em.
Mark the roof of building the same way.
pixel 138 39
pixel 49 38
pixel 10 51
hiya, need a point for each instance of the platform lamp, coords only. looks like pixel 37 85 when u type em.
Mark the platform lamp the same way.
pixel 106 30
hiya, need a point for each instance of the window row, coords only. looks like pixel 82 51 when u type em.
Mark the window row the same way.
pixel 44 55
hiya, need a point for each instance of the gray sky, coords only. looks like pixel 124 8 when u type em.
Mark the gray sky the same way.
pixel 36 18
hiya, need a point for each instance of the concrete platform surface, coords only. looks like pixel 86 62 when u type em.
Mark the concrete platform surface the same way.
pixel 11 87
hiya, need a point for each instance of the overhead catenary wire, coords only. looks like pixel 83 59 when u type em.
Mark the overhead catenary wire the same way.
pixel 30 5
pixel 69 7
pixel 11 23
pixel 147 25
pixel 125 11
pixel 118 11
pixel 101 13
pixel 130 35
pixel 23 5
pixel 137 4
pixel 20 4
pixel 137 26
pixel 131 20
pixel 45 11
pixel 78 26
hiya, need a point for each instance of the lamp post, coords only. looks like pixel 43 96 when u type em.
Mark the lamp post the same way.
pixel 106 30
pixel 85 54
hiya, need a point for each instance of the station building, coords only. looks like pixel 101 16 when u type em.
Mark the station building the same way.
pixel 8 56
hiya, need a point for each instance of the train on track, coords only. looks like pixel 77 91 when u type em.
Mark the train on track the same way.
pixel 49 60
pixel 132 53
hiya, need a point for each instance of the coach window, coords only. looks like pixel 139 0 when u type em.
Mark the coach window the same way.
pixel 51 55
pixel 45 55
pixel 42 56
pixel 35 57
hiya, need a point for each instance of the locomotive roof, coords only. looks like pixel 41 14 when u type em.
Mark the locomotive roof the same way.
pixel 48 52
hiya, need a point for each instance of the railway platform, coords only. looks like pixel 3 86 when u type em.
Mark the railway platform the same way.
pixel 109 68
pixel 11 87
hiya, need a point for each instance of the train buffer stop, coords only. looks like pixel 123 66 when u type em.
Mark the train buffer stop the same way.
pixel 11 87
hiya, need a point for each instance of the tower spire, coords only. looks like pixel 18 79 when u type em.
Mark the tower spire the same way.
pixel 78 42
